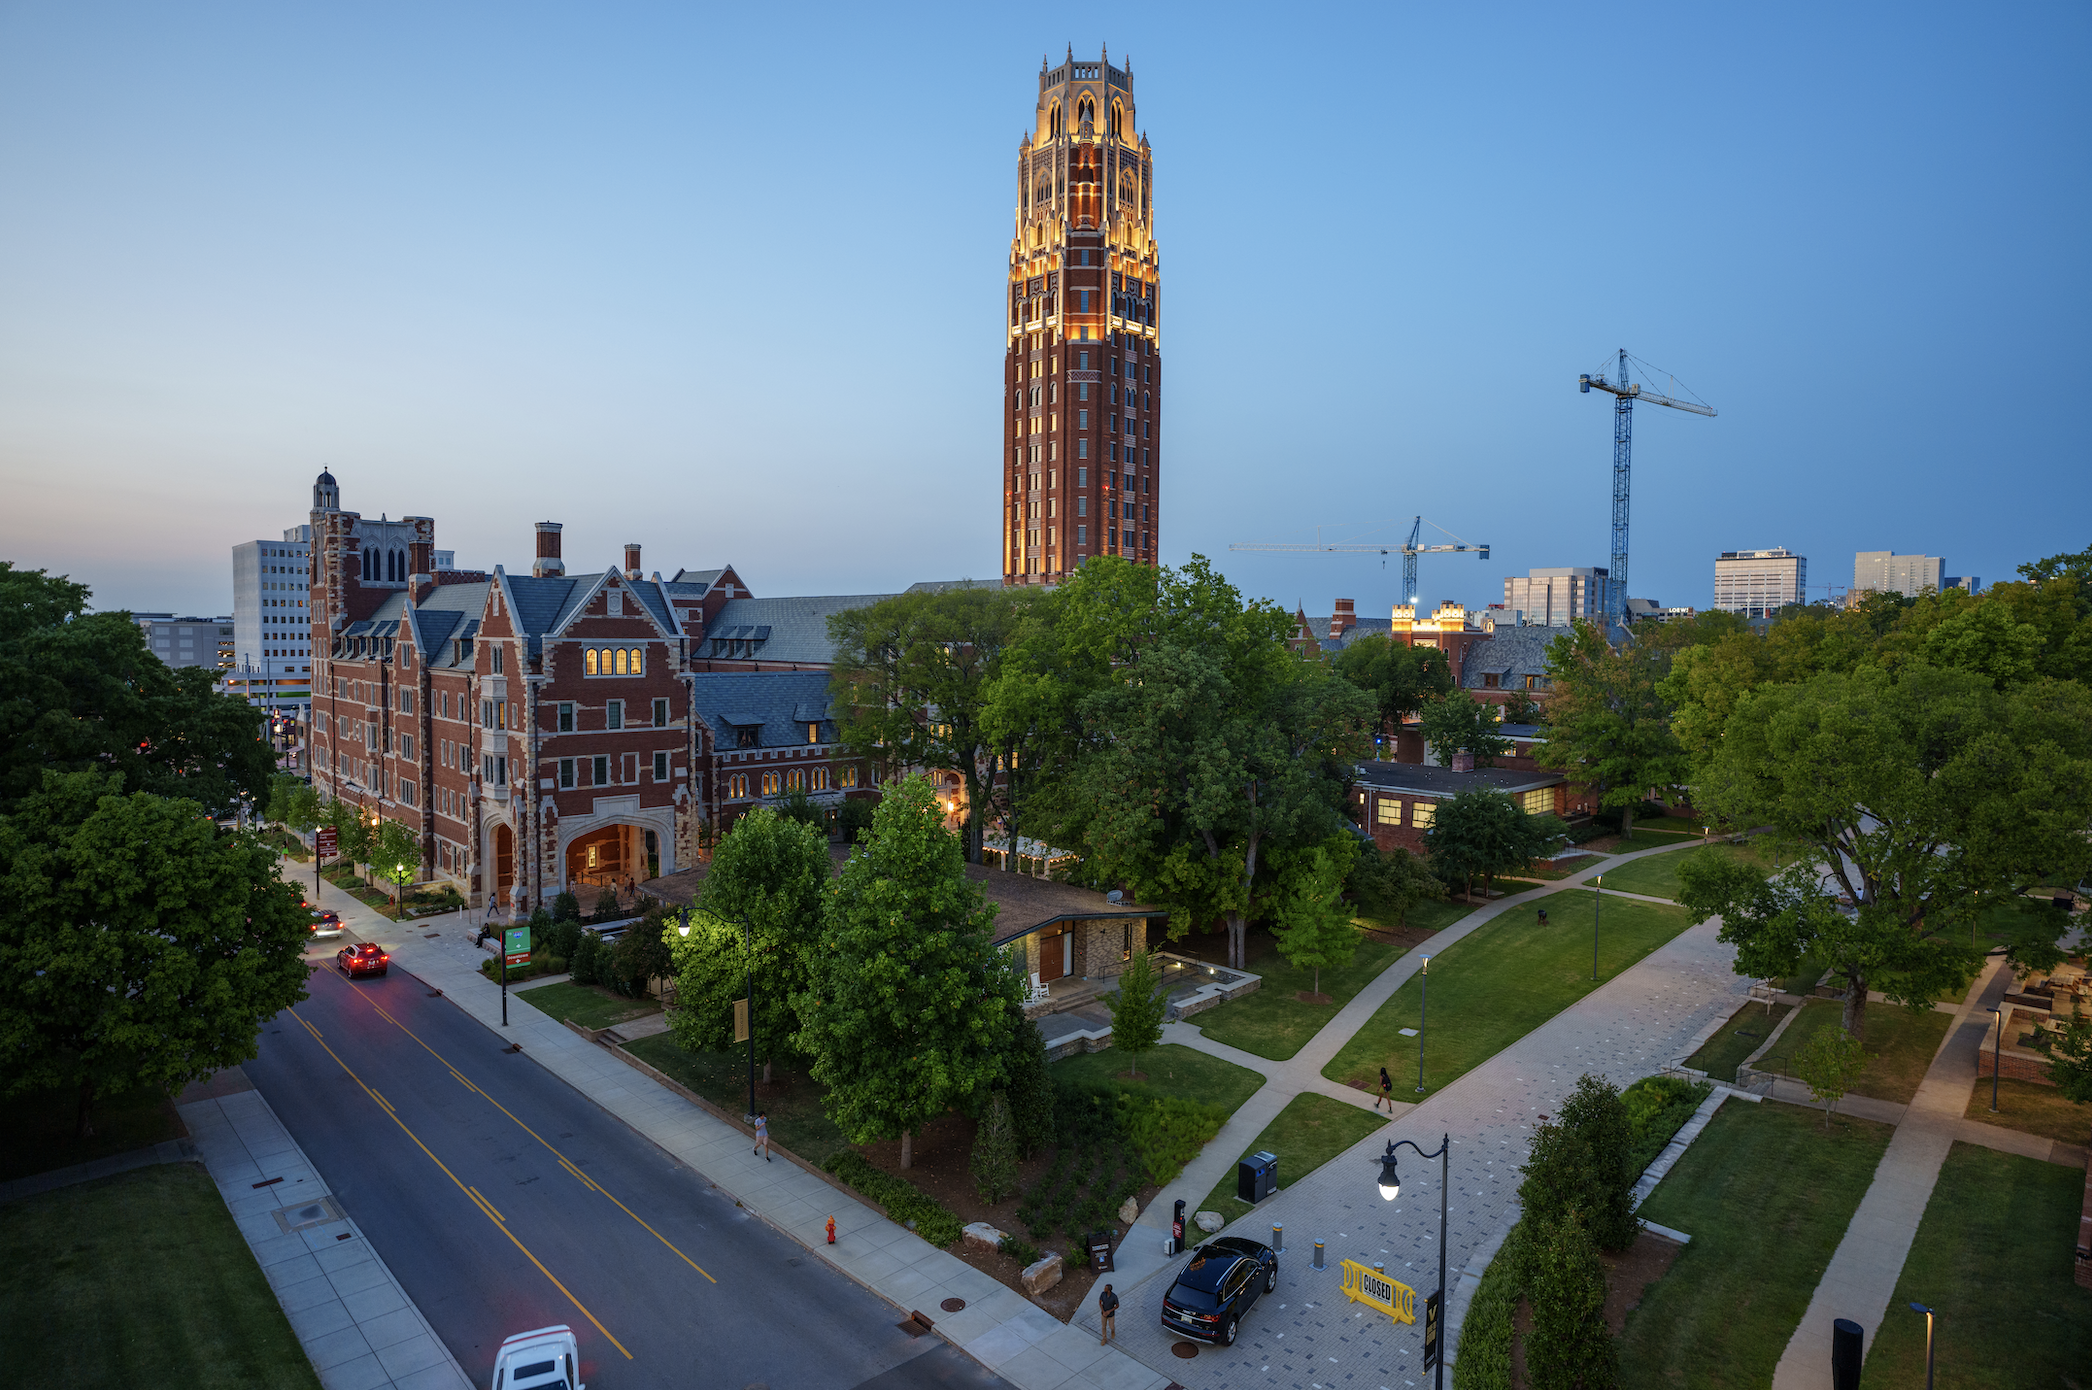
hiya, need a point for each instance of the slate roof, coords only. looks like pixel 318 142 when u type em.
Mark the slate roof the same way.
pixel 938 586
pixel 797 628
pixel 1512 651
pixel 1362 628
pixel 1419 780
pixel 772 701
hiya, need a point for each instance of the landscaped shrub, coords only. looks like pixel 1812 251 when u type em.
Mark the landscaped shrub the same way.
pixel 639 956
pixel 1569 1347
pixel 1594 1113
pixel 1483 1361
pixel 1657 1108
pixel 1022 1251
pixel 1166 1132
pixel 607 909
pixel 903 1200
pixel 1030 1091
pixel 994 1163
pixel 566 907
pixel 585 965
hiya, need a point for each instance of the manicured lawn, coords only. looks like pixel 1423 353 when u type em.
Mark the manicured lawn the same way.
pixel 1273 1022
pixel 587 1005
pixel 1169 1070
pixel 1309 1132
pixel 1657 876
pixel 792 1100
pixel 140 1279
pixel 1900 1043
pixel 1992 1260
pixel 36 1129
pixel 2031 1108
pixel 1803 980
pixel 1766 1195
pixel 1424 917
pixel 1496 985
pixel 1744 1033
pixel 1566 868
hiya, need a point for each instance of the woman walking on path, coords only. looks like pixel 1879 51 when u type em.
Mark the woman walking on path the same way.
pixel 762 1135
pixel 1387 1092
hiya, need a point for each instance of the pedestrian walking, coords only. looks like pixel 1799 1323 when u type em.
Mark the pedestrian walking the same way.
pixel 1387 1092
pixel 1107 1308
pixel 762 1135
pixel 1543 916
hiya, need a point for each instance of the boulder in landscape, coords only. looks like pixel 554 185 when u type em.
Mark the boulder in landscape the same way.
pixel 1128 1210
pixel 1041 1275
pixel 982 1234
pixel 1208 1221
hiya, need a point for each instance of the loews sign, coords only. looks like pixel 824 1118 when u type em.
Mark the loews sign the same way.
pixel 1362 1284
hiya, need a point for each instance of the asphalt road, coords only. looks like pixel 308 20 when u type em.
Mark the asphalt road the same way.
pixel 505 1200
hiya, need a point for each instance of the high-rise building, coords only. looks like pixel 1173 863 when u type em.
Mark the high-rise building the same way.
pixel 1557 597
pixel 188 641
pixel 1759 583
pixel 272 663
pixel 1884 571
pixel 1082 380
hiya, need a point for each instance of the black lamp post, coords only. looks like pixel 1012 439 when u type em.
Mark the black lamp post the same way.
pixel 1921 1308
pixel 1391 1188
pixel 1996 1048
pixel 1423 1012
pixel 1597 901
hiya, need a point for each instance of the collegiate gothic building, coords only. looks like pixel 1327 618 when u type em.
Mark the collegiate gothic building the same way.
pixel 545 731
pixel 1082 385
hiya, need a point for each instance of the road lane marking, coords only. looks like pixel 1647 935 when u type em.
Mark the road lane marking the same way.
pixel 480 1198
pixel 550 1148
pixel 473 1196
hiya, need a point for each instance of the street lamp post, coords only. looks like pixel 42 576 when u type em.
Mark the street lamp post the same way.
pixel 1423 1013
pixel 1921 1308
pixel 1997 1047
pixel 1597 901
pixel 1391 1188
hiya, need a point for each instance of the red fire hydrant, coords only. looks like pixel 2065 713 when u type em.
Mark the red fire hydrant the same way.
pixel 831 1230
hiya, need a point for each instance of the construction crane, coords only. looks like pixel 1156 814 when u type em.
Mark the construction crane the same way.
pixel 1409 550
pixel 1625 394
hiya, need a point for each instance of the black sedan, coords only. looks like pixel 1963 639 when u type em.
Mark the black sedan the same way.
pixel 362 959
pixel 1223 1279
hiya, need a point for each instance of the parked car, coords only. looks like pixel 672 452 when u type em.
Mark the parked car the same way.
pixel 325 922
pixel 1222 1280
pixel 547 1359
pixel 363 958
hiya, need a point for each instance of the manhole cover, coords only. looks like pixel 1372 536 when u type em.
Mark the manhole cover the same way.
pixel 307 1215
pixel 953 1305
pixel 1186 1350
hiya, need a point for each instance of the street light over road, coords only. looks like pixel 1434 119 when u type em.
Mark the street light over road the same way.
pixel 1391 1188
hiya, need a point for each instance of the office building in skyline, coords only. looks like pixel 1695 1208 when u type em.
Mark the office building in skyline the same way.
pixel 180 641
pixel 1886 572
pixel 1559 596
pixel 1759 583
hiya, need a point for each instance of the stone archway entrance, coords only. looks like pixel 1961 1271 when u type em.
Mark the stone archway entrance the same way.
pixel 606 857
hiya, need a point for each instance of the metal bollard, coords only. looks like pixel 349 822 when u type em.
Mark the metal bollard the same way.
pixel 1278 1236
pixel 1318 1254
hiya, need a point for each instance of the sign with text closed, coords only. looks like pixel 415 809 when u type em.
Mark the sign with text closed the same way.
pixel 326 842
pixel 1363 1284
pixel 740 1020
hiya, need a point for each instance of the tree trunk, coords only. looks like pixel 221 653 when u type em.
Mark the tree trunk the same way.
pixel 83 1127
pixel 1627 821
pixel 766 1071
pixel 1856 1007
pixel 907 1149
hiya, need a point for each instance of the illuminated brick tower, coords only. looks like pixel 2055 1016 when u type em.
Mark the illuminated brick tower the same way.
pixel 1082 438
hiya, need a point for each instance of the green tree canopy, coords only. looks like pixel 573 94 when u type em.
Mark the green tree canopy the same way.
pixel 911 1006
pixel 771 872
pixel 1919 798
pixel 1309 917
pixel 1138 1007
pixel 1390 882
pixel 1400 679
pixel 1459 723
pixel 79 691
pixel 139 944
pixel 1483 833
pixel 1607 728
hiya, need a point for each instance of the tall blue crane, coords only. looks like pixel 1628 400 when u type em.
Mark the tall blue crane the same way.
pixel 1625 394
pixel 1408 550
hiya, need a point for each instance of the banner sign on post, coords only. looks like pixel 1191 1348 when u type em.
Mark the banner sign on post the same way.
pixel 515 943
pixel 1363 1285
pixel 326 842
pixel 1432 1329
pixel 740 1020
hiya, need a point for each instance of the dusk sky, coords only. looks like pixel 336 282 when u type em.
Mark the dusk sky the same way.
pixel 728 281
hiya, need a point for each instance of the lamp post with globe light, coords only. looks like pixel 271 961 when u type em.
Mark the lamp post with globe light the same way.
pixel 1391 1188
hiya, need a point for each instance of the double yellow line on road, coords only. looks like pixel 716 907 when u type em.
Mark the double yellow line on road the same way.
pixel 486 1207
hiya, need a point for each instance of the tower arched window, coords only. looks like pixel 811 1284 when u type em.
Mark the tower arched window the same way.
pixel 1053 121
pixel 1117 116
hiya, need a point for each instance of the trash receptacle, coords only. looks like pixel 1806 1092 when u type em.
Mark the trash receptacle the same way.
pixel 1256 1177
pixel 1847 1347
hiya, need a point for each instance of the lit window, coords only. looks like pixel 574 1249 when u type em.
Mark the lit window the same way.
pixel 590 659
pixel 638 661
pixel 1539 803
pixel 1420 813
pixel 795 780
pixel 1388 811
pixel 817 779
pixel 620 655
pixel 770 780
pixel 737 787
pixel 846 776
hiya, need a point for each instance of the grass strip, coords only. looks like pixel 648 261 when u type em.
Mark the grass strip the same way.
pixel 1273 1022
pixel 2030 1108
pixel 793 1102
pixel 586 1006
pixel 1744 1033
pixel 1766 1194
pixel 1497 984
pixel 1309 1132
pixel 1169 1070
pixel 1992 1260
pixel 141 1279
pixel 1899 1043
pixel 1424 917
pixel 1657 876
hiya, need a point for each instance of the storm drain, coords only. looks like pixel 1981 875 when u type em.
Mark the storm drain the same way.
pixel 307 1215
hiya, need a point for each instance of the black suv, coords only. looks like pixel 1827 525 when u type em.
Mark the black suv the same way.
pixel 1216 1288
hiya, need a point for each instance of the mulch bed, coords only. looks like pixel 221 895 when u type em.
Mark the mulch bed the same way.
pixel 940 1155
pixel 1627 1276
pixel 1307 996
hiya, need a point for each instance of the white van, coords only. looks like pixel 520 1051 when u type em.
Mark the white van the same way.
pixel 547 1359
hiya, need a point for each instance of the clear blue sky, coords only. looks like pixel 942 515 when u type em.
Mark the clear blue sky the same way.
pixel 728 281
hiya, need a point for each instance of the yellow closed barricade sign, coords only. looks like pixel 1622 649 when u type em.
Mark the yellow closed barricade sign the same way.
pixel 1363 1284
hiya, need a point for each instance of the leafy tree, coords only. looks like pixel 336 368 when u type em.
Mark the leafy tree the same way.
pixel 352 832
pixel 292 804
pixel 1400 679
pixel 1459 723
pixel 79 691
pixel 2070 1061
pixel 1390 882
pixel 1569 1347
pixel 565 906
pixel 1607 728
pixel 911 1005
pixel 911 678
pixel 395 856
pixel 1032 716
pixel 1030 1088
pixel 798 806
pixel 139 944
pixel 771 874
pixel 1923 796
pixel 640 955
pixel 994 1163
pixel 1484 832
pixel 607 908
pixel 1828 1063
pixel 853 816
pixel 2075 568
pixel 1138 1007
pixel 1310 919
pixel 1599 1118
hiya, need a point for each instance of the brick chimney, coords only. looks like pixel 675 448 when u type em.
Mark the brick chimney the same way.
pixel 420 570
pixel 1463 762
pixel 632 560
pixel 548 564
pixel 1344 619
